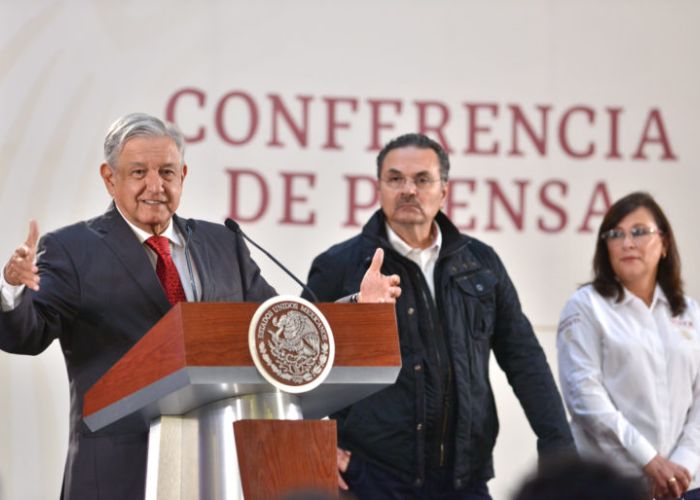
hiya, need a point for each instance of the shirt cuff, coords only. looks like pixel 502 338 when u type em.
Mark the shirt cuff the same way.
pixel 642 451
pixel 349 299
pixel 687 458
pixel 9 294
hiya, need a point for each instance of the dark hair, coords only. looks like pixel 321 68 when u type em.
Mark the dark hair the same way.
pixel 669 272
pixel 578 479
pixel 418 141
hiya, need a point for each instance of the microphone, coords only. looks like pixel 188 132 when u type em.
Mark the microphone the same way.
pixel 233 226
pixel 189 228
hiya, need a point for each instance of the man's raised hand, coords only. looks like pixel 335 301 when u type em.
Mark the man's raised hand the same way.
pixel 21 269
pixel 375 286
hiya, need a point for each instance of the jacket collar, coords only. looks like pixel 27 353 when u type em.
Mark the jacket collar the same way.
pixel 170 232
pixel 122 241
pixel 200 253
pixel 404 248
pixel 375 228
pixel 452 240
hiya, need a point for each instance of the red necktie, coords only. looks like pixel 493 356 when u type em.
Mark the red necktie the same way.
pixel 166 270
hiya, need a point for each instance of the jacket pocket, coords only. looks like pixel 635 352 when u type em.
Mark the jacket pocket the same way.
pixel 478 291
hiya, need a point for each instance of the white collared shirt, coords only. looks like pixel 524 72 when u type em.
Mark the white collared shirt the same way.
pixel 177 251
pixel 630 376
pixel 10 294
pixel 425 257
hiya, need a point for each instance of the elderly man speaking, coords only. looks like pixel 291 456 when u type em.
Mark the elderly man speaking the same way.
pixel 99 285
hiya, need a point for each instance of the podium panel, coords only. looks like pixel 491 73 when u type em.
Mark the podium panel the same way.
pixel 280 457
pixel 198 353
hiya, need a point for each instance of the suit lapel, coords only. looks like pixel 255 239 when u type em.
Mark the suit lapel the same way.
pixel 122 241
pixel 200 257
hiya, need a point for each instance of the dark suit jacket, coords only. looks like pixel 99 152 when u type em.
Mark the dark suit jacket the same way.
pixel 98 296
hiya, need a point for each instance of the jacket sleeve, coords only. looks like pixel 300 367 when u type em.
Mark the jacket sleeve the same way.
pixel 325 279
pixel 39 317
pixel 522 359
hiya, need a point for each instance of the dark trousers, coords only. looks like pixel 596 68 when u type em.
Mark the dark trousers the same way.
pixel 692 494
pixel 688 495
pixel 369 482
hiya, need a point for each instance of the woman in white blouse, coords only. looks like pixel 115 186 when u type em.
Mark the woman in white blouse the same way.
pixel 629 354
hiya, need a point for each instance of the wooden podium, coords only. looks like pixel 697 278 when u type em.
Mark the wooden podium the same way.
pixel 191 378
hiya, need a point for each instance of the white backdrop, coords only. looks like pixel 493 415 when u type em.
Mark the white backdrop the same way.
pixel 552 109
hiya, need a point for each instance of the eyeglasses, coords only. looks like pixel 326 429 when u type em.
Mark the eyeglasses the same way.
pixel 638 234
pixel 421 182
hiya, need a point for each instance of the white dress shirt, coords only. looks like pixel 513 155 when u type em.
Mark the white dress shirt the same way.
pixel 177 252
pixel 10 295
pixel 424 257
pixel 630 376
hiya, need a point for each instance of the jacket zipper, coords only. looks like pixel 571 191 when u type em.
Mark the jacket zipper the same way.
pixel 445 415
pixel 447 387
pixel 433 308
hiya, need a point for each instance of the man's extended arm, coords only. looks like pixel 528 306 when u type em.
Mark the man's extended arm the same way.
pixel 522 359
pixel 24 327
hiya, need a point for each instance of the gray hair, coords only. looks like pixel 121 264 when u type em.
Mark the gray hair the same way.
pixel 139 125
pixel 419 141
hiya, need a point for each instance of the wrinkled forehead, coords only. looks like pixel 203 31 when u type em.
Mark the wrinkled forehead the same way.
pixel 150 149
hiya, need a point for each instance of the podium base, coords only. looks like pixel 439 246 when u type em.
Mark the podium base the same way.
pixel 194 455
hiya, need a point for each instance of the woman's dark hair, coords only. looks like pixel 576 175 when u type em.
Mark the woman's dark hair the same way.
pixel 669 272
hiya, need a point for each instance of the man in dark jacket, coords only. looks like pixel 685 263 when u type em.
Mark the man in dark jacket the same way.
pixel 432 433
